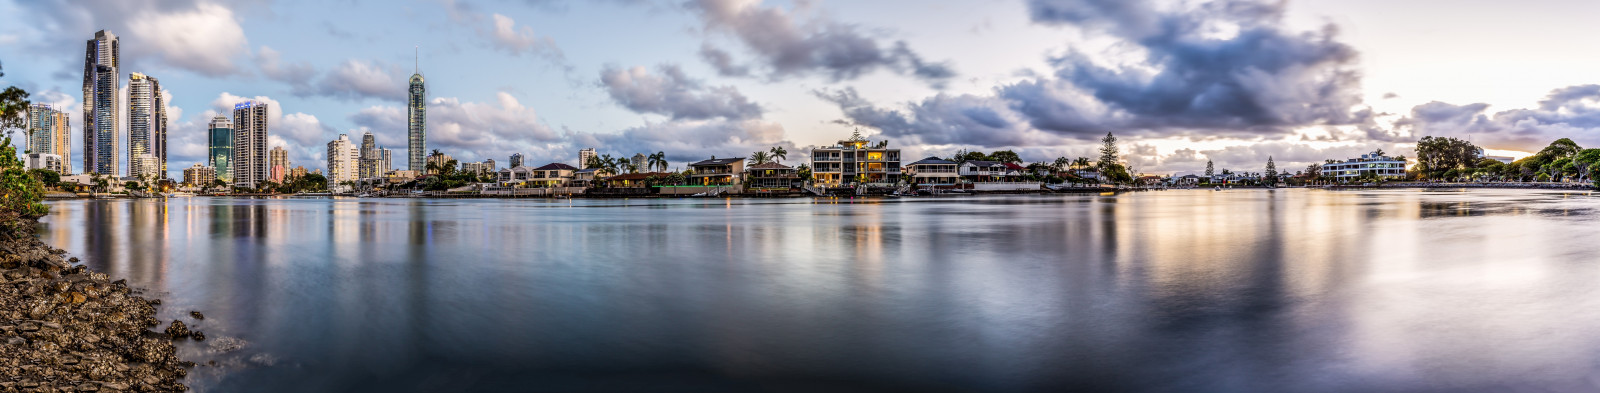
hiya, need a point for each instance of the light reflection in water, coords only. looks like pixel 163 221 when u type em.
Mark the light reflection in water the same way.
pixel 1243 290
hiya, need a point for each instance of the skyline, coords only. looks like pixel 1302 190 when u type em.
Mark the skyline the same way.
pixel 1045 78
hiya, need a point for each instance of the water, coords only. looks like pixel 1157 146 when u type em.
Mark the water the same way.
pixel 1193 291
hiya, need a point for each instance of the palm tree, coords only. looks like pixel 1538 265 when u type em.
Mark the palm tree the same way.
pixel 1062 163
pixel 1081 162
pixel 633 168
pixel 760 157
pixel 657 160
pixel 778 153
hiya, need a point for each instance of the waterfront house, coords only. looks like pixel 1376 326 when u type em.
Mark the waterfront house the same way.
pixel 934 172
pixel 554 174
pixel 1372 164
pixel 855 160
pixel 634 180
pixel 989 171
pixel 717 172
pixel 772 175
pixel 514 175
pixel 584 177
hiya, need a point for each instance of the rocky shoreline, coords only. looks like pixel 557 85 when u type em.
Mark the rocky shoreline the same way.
pixel 64 328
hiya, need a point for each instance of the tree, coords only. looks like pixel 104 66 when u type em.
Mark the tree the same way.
pixel 1006 156
pixel 1062 163
pixel 20 192
pixel 1209 167
pixel 1081 162
pixel 1561 148
pixel 974 156
pixel 1108 151
pixel 47 177
pixel 759 158
pixel 13 110
pixel 804 171
pixel 1271 176
pixel 1313 171
pixel 1435 155
pixel 657 160
pixel 779 153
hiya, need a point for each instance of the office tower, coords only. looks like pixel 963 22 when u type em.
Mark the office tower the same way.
pixel 584 156
pixel 278 164
pixel 249 144
pixel 342 157
pixel 147 125
pixel 369 157
pixel 516 160
pixel 101 62
pixel 48 133
pixel 219 149
pixel 417 116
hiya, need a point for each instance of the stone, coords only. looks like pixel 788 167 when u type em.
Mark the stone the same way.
pixel 177 330
pixel 197 315
pixel 198 335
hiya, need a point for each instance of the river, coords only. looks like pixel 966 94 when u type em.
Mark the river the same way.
pixel 1193 291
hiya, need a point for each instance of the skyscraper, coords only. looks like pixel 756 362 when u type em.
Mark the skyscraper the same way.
pixel 147 126
pixel 249 144
pixel 385 161
pixel 101 62
pixel 516 160
pixel 48 133
pixel 341 161
pixel 417 115
pixel 369 156
pixel 584 156
pixel 219 150
pixel 278 164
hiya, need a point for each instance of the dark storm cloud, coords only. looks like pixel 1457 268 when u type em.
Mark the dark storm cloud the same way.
pixel 788 46
pixel 1569 112
pixel 669 92
pixel 1190 79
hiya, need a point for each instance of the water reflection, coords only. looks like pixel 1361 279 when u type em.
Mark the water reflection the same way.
pixel 1279 290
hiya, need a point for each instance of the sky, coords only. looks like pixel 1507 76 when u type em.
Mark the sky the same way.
pixel 1178 82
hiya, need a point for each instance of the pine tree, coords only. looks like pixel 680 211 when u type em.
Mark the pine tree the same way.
pixel 1208 170
pixel 1108 151
pixel 1272 172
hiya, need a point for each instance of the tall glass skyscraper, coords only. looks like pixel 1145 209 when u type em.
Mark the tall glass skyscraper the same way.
pixel 147 126
pixel 417 115
pixel 101 61
pixel 219 152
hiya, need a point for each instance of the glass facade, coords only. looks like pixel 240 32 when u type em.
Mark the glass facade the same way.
pixel 220 148
pixel 417 133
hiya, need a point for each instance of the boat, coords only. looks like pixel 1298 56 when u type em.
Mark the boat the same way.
pixel 1218 188
pixel 180 194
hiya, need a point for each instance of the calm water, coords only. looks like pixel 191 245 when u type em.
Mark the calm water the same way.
pixel 1192 291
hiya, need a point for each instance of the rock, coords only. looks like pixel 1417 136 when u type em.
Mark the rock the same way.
pixel 197 315
pixel 114 386
pixel 88 387
pixel 177 330
pixel 198 335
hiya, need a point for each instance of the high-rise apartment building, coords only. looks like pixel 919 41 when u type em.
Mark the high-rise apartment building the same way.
pixel 584 156
pixel 516 160
pixel 249 144
pixel 49 132
pixel 219 147
pixel 385 162
pixel 417 131
pixel 147 126
pixel 369 157
pixel 199 175
pixel 638 162
pixel 101 62
pixel 440 162
pixel 342 158
pixel 277 164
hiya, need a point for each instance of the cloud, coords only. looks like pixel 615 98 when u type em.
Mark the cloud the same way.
pixel 722 61
pixel 517 40
pixel 356 79
pixel 673 94
pixel 195 35
pixel 1568 112
pixel 788 46
pixel 1190 79
pixel 297 75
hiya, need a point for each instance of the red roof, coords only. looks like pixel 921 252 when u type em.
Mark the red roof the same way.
pixel 1015 166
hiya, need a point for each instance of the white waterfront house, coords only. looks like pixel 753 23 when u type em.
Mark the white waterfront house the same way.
pixel 1370 164
pixel 933 171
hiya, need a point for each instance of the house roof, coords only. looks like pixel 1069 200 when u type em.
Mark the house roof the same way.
pixel 1014 166
pixel 770 165
pixel 718 161
pixel 932 161
pixel 588 170
pixel 556 166
pixel 984 163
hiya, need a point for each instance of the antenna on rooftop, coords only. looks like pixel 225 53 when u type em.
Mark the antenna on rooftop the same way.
pixel 416 59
